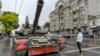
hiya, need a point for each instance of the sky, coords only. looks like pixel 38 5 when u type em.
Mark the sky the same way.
pixel 28 9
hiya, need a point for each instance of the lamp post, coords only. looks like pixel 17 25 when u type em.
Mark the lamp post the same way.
pixel 59 22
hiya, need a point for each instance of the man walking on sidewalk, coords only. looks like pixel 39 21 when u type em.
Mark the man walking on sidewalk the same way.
pixel 79 40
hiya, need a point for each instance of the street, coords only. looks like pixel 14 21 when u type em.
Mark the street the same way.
pixel 69 50
pixel 26 22
pixel 5 47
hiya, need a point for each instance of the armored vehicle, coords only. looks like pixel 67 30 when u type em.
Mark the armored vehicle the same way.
pixel 35 44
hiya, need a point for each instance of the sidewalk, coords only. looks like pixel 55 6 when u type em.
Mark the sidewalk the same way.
pixel 4 47
pixel 2 41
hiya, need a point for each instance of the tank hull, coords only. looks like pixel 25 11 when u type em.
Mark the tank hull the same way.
pixel 21 48
pixel 43 50
pixel 32 51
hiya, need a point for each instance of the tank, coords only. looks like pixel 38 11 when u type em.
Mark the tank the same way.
pixel 21 43
pixel 34 44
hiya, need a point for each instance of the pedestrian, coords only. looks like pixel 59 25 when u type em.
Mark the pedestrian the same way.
pixel 79 40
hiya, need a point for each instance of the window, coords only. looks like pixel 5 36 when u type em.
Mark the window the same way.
pixel 94 23
pixel 61 15
pixel 77 8
pixel 82 4
pixel 83 12
pixel 71 1
pixel 85 21
pixel 71 10
pixel 74 9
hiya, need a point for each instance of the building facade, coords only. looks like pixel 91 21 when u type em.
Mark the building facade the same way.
pixel 72 14
pixel 79 15
pixel 94 16
pixel 59 18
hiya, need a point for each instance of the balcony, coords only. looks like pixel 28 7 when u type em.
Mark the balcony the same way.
pixel 92 27
pixel 83 24
pixel 76 17
pixel 74 24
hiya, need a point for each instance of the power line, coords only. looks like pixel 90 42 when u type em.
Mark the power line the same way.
pixel 15 5
pixel 20 6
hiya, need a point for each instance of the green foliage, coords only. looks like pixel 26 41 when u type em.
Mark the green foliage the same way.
pixel 3 29
pixel 38 27
pixel 47 25
pixel 10 21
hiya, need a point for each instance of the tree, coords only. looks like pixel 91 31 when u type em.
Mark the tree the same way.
pixel 38 27
pixel 10 21
pixel 47 25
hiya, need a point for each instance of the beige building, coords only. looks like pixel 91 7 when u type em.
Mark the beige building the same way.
pixel 79 15
pixel 94 24
pixel 72 14
pixel 94 16
pixel 59 18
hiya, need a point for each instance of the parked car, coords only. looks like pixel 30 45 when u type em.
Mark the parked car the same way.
pixel 1 37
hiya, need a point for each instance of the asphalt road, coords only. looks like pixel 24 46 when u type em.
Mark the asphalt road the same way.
pixel 69 50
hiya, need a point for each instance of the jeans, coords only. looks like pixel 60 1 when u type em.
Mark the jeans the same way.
pixel 79 47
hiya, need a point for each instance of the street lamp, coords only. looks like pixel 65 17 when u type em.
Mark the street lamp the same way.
pixel 59 23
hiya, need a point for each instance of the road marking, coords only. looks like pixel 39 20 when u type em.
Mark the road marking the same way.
pixel 93 51
pixel 82 49
pixel 62 54
pixel 84 44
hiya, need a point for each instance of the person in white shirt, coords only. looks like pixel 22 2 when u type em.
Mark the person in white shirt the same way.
pixel 79 40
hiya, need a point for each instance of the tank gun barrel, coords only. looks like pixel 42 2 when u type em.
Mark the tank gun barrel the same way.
pixel 40 4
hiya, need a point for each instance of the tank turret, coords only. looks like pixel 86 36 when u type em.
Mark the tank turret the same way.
pixel 25 28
